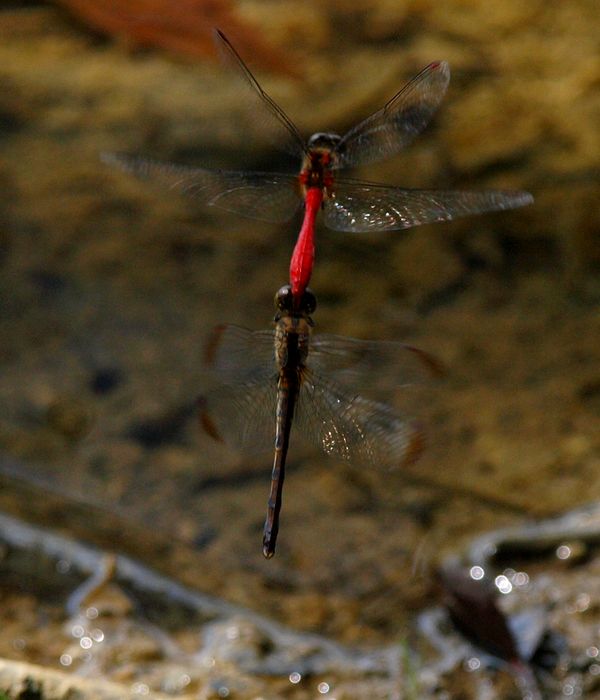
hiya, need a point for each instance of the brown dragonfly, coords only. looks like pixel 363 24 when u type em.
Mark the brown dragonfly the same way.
pixel 318 383
pixel 347 205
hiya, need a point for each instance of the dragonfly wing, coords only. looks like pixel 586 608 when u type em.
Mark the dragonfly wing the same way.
pixel 242 417
pixel 272 197
pixel 361 206
pixel 353 428
pixel 389 130
pixel 283 132
pixel 366 366
pixel 236 355
pixel 240 411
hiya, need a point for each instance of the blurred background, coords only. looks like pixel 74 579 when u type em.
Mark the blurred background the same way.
pixel 109 286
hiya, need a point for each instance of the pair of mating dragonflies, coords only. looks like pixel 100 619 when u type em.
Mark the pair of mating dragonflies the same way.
pixel 320 384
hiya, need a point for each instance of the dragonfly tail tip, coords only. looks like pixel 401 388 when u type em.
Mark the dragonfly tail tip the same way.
pixel 268 553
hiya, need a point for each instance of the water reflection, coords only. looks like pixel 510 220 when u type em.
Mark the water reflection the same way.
pixel 151 625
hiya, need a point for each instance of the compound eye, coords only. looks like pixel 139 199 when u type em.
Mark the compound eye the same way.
pixel 283 298
pixel 309 302
pixel 324 140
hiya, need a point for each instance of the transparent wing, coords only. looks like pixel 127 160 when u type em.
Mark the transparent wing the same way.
pixel 272 197
pixel 242 417
pixel 235 355
pixel 240 411
pixel 389 130
pixel 331 410
pixel 362 206
pixel 376 367
pixel 283 132
pixel 353 428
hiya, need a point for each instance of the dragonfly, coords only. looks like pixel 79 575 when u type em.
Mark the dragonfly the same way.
pixel 347 205
pixel 317 383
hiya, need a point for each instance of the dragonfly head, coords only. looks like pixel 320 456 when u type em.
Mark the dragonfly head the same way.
pixel 324 140
pixel 286 304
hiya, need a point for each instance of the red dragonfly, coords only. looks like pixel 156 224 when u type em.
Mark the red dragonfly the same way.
pixel 347 205
pixel 320 384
